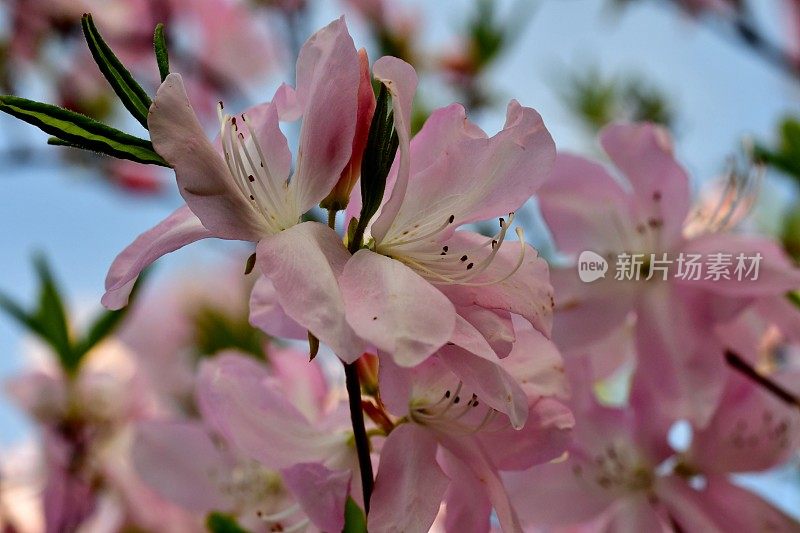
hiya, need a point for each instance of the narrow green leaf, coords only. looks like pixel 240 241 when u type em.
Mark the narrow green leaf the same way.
pixel 223 523
pixel 160 47
pixel 15 311
pixel 133 97
pixel 81 131
pixel 51 315
pixel 354 519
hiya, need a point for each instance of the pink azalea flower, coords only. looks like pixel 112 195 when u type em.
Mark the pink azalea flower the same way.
pixel 242 190
pixel 620 473
pixel 588 209
pixel 450 444
pixel 419 281
pixel 282 421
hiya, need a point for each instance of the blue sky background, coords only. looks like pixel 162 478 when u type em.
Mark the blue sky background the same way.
pixel 721 92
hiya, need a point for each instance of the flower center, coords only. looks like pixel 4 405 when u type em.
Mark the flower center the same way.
pixel 617 468
pixel 420 249
pixel 250 171
pixel 452 414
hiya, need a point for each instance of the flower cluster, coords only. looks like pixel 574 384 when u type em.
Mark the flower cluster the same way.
pixel 471 376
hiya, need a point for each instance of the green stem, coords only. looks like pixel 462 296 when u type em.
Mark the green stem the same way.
pixel 359 431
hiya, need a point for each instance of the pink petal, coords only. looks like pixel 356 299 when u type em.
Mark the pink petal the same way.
pixel 643 152
pixel 303 263
pixel 536 364
pixel 585 208
pixel 473 457
pixel 179 461
pixel 303 380
pixel 527 292
pixel 327 88
pixel 494 324
pixel 467 508
pixel 587 312
pixel 267 314
pixel 722 506
pixel 545 437
pixel 410 483
pixel 182 227
pixel 493 176
pixel 750 431
pixel 679 363
pixel 473 361
pixel 557 493
pixel 392 307
pixel 400 80
pixel 237 397
pixel 776 274
pixel 321 493
pixel 203 177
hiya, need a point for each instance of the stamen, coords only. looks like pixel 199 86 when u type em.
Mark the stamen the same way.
pixel 280 515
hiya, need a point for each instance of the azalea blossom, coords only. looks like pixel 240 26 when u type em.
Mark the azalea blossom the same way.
pixel 216 475
pixel 451 174
pixel 286 422
pixel 449 444
pixel 586 208
pixel 242 190
pixel 621 474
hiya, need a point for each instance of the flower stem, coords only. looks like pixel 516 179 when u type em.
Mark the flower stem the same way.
pixel 359 431
pixel 331 219
pixel 737 363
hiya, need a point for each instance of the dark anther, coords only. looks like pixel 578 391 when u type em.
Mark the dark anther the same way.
pixel 456 399
pixel 447 394
pixel 494 243
pixel 464 258
pixel 252 197
pixel 470 265
pixel 221 106
pixel 451 219
pixel 251 178
pixel 445 248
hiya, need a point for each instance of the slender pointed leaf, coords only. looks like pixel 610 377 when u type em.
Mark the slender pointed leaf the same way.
pixel 51 316
pixel 354 519
pixel 160 47
pixel 81 131
pixel 133 97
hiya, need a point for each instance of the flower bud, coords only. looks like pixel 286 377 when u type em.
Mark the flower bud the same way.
pixel 339 196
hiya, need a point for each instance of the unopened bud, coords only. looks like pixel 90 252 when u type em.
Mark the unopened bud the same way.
pixel 339 196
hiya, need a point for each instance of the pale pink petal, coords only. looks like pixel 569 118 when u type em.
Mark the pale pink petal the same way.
pixel 587 312
pixel 776 274
pixel 585 208
pixel 303 380
pixel 467 507
pixel 410 483
pixel 203 177
pixel 473 457
pixel 643 152
pixel 679 362
pixel 559 493
pixel 267 314
pixel 476 179
pixel 303 263
pixel 478 367
pixel 495 325
pixel 321 493
pixel 545 437
pixel 536 364
pixel 237 397
pixel 750 431
pixel 527 292
pixel 392 307
pixel 636 513
pixel 179 461
pixel 722 507
pixel 182 227
pixel 327 88
pixel 400 80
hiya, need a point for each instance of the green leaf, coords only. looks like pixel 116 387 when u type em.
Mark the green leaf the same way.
pixel 160 47
pixel 379 154
pixel 354 519
pixel 81 131
pixel 51 315
pixel 133 97
pixel 223 523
